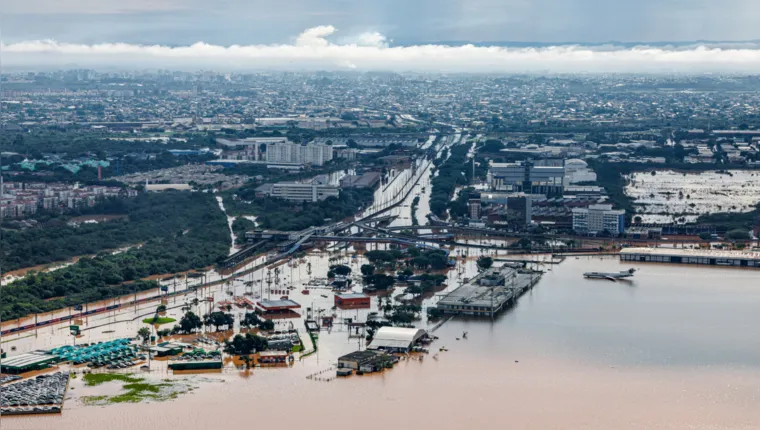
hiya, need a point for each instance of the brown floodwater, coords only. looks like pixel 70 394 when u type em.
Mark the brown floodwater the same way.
pixel 675 348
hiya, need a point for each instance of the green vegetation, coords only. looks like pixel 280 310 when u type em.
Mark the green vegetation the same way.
pixel 189 323
pixel 484 263
pixel 738 234
pixel 450 175
pixel 187 232
pixel 252 320
pixel 218 319
pixel 144 334
pixel 339 270
pixel 147 217
pixel 240 226
pixel 245 344
pixel 158 320
pixel 413 208
pixel 278 214
pixel 297 348
pixel 136 389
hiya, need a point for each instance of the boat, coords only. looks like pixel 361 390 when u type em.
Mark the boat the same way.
pixel 305 292
pixel 610 276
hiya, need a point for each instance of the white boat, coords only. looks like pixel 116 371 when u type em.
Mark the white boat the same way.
pixel 610 276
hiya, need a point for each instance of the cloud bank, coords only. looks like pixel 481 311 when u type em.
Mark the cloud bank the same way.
pixel 313 50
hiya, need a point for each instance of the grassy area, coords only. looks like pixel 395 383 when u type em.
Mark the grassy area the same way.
pixel 159 320
pixel 94 379
pixel 136 389
pixel 297 348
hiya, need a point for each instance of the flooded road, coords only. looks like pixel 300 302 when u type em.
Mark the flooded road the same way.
pixel 675 348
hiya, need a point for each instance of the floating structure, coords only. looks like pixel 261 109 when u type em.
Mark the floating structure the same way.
pixel 489 292
pixel 708 257
pixel 397 339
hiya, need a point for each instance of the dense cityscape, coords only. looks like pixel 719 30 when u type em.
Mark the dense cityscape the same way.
pixel 311 226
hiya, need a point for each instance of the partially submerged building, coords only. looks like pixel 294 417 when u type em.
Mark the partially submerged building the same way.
pixel 397 339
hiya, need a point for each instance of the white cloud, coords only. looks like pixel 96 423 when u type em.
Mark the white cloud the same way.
pixel 370 51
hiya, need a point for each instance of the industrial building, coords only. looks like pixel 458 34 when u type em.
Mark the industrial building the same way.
pixel 366 361
pixel 352 301
pixel 599 218
pixel 367 180
pixel 489 292
pixel 527 177
pixel 707 257
pixel 314 190
pixel 35 360
pixel 396 339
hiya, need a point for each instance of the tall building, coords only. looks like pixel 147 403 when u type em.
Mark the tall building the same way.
pixel 527 177
pixel 474 206
pixel 315 154
pixel 599 218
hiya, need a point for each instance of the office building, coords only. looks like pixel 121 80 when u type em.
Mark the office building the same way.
pixel 599 218
pixel 474 206
pixel 527 177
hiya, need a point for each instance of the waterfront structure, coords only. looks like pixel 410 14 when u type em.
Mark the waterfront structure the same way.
pixel 526 176
pixel 599 218
pixel 315 154
pixel 366 361
pixel 352 301
pixel 489 292
pixel 396 339
pixel 707 257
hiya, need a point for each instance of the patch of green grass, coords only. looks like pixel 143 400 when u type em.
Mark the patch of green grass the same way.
pixel 297 348
pixel 93 379
pixel 91 400
pixel 136 389
pixel 159 320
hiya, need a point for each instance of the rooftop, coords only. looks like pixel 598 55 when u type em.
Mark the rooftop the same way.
pixel 714 253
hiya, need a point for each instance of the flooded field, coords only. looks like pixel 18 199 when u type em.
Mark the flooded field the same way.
pixel 674 348
pixel 670 196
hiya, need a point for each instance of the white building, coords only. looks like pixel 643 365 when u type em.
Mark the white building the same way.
pixel 396 339
pixel 286 152
pixel 526 177
pixel 577 171
pixel 598 218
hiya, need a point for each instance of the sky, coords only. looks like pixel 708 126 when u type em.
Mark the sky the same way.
pixel 50 32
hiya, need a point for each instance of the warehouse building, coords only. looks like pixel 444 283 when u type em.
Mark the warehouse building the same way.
pixel 28 362
pixel 708 257
pixel 396 339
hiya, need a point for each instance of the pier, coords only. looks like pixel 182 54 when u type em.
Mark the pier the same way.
pixel 489 293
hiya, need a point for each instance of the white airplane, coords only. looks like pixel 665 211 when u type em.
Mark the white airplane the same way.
pixel 610 276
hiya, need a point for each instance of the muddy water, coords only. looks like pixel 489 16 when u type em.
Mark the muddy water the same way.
pixel 675 348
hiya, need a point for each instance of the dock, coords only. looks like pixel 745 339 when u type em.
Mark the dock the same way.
pixel 489 292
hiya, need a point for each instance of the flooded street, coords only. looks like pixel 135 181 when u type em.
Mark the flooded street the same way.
pixel 675 348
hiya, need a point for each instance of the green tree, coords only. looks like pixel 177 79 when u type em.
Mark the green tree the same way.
pixel 738 234
pixel 190 322
pixel 218 319
pixel 367 269
pixel 340 270
pixel 144 334
pixel 484 262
